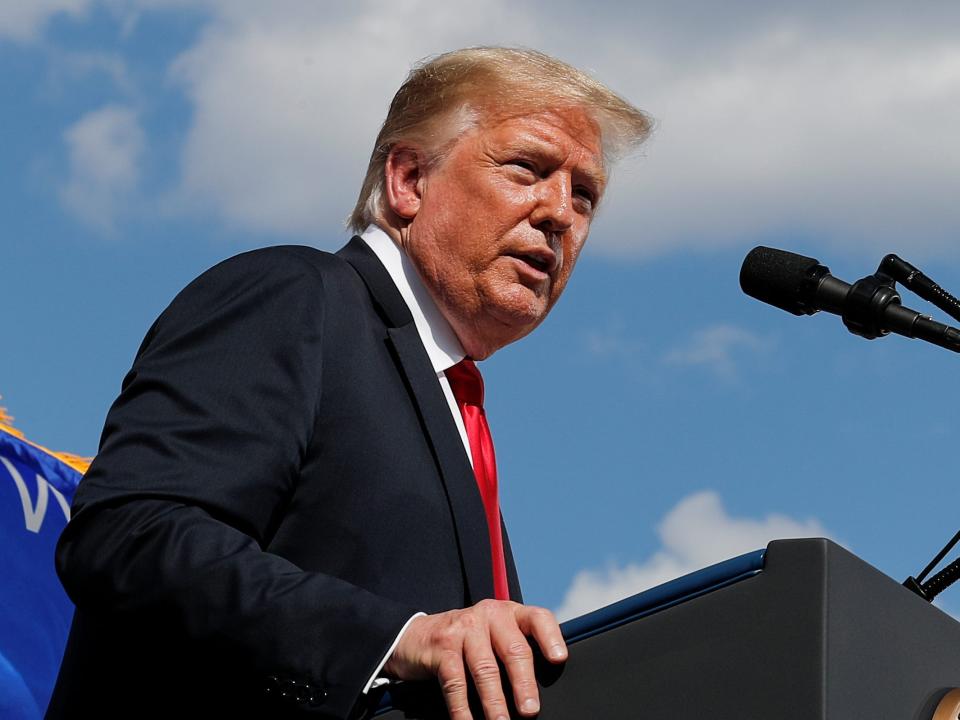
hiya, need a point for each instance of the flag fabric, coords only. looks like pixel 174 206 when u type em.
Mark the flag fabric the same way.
pixel 36 489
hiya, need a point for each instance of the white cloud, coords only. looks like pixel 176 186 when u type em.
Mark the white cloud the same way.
pixel 714 348
pixel 287 102
pixel 104 146
pixel 843 137
pixel 696 533
pixel 612 340
pixel 807 122
pixel 823 120
pixel 23 20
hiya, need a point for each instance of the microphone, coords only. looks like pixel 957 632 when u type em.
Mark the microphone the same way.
pixel 870 307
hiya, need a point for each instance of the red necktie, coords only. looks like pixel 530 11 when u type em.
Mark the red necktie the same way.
pixel 467 386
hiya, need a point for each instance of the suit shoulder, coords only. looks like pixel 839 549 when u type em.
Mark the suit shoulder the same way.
pixel 284 281
pixel 279 261
pixel 270 274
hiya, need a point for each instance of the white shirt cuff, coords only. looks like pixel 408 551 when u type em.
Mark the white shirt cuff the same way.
pixel 375 681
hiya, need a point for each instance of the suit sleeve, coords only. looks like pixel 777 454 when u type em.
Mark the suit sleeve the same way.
pixel 199 456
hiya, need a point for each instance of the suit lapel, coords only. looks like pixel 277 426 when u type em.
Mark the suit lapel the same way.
pixel 454 467
pixel 513 580
pixel 378 281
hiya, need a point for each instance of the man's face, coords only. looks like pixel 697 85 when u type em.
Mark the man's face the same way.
pixel 501 221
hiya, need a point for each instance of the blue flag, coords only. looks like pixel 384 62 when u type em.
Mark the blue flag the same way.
pixel 36 488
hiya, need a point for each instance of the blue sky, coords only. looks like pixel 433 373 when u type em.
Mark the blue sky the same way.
pixel 659 420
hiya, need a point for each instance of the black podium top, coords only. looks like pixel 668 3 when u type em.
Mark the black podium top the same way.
pixel 801 631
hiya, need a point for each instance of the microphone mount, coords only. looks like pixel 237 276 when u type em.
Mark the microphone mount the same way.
pixel 866 306
pixel 872 306
pixel 939 582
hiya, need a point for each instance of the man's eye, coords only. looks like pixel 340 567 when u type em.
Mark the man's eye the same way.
pixel 585 196
pixel 525 165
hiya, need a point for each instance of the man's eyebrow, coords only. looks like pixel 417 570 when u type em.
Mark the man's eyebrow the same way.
pixel 535 144
pixel 596 177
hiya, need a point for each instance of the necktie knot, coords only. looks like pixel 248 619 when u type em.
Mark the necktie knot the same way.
pixel 466 383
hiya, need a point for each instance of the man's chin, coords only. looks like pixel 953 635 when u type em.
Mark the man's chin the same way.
pixel 518 321
pixel 498 327
pixel 504 317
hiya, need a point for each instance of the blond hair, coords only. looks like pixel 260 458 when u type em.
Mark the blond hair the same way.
pixel 444 97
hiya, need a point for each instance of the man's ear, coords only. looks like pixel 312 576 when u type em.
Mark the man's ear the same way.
pixel 403 173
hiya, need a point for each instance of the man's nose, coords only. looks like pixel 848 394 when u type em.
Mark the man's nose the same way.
pixel 554 211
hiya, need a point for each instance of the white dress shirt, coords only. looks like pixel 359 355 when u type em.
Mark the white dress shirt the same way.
pixel 442 346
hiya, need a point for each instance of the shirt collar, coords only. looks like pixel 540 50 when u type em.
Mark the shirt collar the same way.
pixel 442 346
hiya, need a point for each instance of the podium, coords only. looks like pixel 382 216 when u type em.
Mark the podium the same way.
pixel 803 630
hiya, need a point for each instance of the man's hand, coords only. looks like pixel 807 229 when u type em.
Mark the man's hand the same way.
pixel 450 644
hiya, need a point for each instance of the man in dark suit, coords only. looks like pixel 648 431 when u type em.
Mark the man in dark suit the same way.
pixel 285 511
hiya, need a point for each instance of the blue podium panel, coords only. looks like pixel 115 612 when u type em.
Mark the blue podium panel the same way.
pixel 663 596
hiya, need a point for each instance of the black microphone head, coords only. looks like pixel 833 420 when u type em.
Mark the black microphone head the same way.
pixel 782 279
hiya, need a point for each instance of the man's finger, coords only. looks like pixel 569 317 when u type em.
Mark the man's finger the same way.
pixel 482 663
pixel 542 625
pixel 453 683
pixel 514 651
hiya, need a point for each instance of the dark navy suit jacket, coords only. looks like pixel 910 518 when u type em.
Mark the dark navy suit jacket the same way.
pixel 279 487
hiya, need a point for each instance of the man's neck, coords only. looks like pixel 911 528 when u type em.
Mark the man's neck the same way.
pixel 438 338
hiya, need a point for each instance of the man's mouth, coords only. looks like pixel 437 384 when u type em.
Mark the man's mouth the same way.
pixel 541 259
